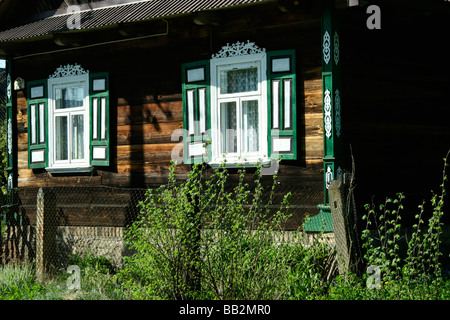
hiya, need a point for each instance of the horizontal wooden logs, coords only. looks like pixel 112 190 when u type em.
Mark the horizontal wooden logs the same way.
pixel 146 98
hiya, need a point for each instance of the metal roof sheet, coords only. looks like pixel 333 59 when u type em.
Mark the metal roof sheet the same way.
pixel 123 13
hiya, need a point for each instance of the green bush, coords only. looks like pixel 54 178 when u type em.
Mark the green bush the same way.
pixel 312 269
pixel 203 239
pixel 414 272
pixel 89 261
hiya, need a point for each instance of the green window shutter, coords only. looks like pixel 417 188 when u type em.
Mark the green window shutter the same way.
pixel 281 102
pixel 99 118
pixel 196 112
pixel 37 124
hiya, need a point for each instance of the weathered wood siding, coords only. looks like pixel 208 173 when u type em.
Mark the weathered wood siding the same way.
pixel 396 112
pixel 145 97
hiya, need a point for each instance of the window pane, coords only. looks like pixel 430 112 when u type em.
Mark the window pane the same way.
pixel 202 109
pixel 77 137
pixel 69 97
pixel 33 123
pixel 287 103
pixel 275 103
pixel 103 119
pixel 250 123
pixel 95 118
pixel 228 127
pixel 61 138
pixel 239 80
pixel 41 123
pixel 190 107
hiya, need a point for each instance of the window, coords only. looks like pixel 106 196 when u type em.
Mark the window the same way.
pixel 68 121
pixel 239 107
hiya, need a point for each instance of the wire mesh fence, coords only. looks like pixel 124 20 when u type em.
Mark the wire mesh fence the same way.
pixel 58 223
pixel 68 221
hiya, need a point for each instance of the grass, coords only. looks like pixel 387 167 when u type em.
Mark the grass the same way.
pixel 18 282
pixel 98 282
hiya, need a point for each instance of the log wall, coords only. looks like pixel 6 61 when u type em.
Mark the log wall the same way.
pixel 146 106
pixel 395 112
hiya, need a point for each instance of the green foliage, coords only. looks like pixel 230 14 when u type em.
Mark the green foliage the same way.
pixel 89 261
pixel 204 239
pixel 311 269
pixel 96 278
pixel 416 274
pixel 17 282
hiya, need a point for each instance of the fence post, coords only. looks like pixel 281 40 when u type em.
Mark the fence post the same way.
pixel 343 215
pixel 45 233
pixel 336 191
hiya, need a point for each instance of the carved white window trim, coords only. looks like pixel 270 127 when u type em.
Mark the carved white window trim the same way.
pixel 8 87
pixel 69 70
pixel 327 114
pixel 326 47
pixel 69 74
pixel 238 49
pixel 238 55
pixel 337 110
pixel 10 182
pixel 10 134
pixel 336 48
pixel 328 177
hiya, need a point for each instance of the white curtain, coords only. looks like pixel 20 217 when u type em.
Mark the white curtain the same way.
pixel 240 80
pixel 77 137
pixel 61 138
pixel 251 130
pixel 229 126
pixel 73 97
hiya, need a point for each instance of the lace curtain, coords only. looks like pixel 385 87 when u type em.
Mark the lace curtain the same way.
pixel 69 126
pixel 250 130
pixel 77 137
pixel 69 98
pixel 240 80
pixel 229 126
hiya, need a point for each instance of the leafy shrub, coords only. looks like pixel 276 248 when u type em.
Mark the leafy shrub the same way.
pixel 90 261
pixel 312 268
pixel 204 239
pixel 415 272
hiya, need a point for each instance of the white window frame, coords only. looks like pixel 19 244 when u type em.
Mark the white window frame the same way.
pixel 68 165
pixel 229 63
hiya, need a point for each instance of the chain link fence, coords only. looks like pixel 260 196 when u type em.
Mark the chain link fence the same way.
pixel 69 221
pixel 57 223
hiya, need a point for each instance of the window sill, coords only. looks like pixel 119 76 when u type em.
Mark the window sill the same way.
pixel 70 170
pixel 239 164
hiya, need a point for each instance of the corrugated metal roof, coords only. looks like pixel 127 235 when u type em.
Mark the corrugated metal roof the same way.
pixel 130 12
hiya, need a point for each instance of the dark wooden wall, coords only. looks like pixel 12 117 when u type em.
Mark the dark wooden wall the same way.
pixel 146 106
pixel 396 111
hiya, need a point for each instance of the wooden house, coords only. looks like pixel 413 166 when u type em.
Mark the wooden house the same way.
pixel 107 93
